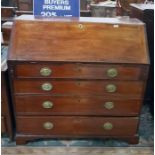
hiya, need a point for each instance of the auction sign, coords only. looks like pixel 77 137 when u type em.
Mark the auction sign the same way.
pixel 63 8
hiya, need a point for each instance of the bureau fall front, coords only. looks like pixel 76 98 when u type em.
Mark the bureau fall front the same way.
pixel 77 78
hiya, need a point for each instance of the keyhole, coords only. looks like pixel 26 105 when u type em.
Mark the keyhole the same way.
pixel 78 83
pixel 81 26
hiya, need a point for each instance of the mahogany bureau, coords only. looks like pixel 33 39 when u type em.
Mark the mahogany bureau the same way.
pixel 77 78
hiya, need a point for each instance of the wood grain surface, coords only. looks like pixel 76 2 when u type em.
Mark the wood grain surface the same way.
pixel 76 126
pixel 33 105
pixel 73 87
pixel 81 71
pixel 85 41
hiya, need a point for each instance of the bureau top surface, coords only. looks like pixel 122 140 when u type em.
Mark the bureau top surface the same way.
pixel 106 40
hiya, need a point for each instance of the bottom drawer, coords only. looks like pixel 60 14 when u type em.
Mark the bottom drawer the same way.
pixel 74 126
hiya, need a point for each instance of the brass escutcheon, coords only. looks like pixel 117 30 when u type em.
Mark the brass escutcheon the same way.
pixel 112 72
pixel 107 126
pixel 47 105
pixel 111 88
pixel 48 125
pixel 109 105
pixel 81 26
pixel 46 86
pixel 45 71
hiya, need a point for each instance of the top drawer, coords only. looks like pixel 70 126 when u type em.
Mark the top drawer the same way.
pixel 81 71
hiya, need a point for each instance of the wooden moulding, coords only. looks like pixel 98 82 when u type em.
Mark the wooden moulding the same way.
pixel 23 139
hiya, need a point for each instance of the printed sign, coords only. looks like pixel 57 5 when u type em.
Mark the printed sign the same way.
pixel 49 8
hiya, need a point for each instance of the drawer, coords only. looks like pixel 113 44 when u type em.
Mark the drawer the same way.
pixel 58 87
pixel 81 71
pixel 88 126
pixel 54 105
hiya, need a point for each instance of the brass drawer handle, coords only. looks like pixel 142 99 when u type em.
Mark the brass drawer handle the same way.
pixel 107 126
pixel 47 105
pixel 109 105
pixel 111 88
pixel 46 86
pixel 45 71
pixel 48 125
pixel 112 72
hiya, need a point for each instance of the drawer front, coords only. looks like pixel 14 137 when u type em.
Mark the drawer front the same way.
pixel 107 88
pixel 58 125
pixel 50 105
pixel 87 71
